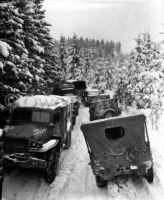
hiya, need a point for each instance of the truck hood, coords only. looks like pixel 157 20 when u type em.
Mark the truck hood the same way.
pixel 26 131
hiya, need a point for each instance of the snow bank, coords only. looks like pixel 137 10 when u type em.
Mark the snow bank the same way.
pixel 4 49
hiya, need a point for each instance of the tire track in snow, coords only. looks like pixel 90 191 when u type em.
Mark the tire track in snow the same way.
pixel 21 184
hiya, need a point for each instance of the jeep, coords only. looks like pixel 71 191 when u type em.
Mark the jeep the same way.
pixel 119 146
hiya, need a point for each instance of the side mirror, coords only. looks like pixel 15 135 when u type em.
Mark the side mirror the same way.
pixel 8 121
pixel 51 125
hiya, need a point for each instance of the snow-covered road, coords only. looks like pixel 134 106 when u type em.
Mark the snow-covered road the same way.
pixel 76 181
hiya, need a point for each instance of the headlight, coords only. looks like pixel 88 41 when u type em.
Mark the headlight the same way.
pixel 35 144
pixel 148 164
pixel 102 171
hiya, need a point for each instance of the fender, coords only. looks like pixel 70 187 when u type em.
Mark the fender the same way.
pixel 46 146
pixel 109 110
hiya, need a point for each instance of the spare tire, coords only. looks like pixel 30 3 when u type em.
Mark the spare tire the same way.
pixel 109 114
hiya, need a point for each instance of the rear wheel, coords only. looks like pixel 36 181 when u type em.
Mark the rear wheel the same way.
pixel 52 165
pixel 101 182
pixel 150 175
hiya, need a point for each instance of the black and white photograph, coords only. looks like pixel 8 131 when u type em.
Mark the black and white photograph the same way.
pixel 81 99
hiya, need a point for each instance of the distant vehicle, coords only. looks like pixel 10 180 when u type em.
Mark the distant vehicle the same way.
pixel 94 95
pixel 39 128
pixel 104 108
pixel 80 87
pixel 119 146
pixel 68 90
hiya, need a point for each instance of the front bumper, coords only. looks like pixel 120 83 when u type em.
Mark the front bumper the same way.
pixel 24 161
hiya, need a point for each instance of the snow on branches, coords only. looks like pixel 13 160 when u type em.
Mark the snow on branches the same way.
pixel 144 83
pixel 4 49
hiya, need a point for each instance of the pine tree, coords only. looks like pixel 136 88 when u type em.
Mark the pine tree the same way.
pixel 15 76
pixel 144 77
pixel 74 60
pixel 63 58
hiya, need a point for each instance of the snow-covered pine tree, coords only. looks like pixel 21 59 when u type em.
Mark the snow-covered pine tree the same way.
pixel 15 77
pixel 85 62
pixel 38 43
pixel 73 59
pixel 62 55
pixel 144 77
pixel 27 12
pixel 52 70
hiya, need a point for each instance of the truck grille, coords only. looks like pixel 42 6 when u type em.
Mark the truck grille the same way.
pixel 16 145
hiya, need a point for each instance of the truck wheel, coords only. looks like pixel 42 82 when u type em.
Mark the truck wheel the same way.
pixel 150 175
pixel 109 114
pixel 68 140
pixel 101 182
pixel 52 165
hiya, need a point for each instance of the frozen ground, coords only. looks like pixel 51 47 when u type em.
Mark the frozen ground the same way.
pixel 76 181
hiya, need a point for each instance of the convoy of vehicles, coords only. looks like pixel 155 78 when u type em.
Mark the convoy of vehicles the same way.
pixel 39 128
pixel 118 146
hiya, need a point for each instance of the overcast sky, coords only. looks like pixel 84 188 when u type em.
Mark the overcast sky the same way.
pixel 117 20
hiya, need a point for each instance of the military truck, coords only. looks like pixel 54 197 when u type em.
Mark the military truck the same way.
pixel 80 88
pixel 39 128
pixel 69 90
pixel 104 108
pixel 94 95
pixel 119 146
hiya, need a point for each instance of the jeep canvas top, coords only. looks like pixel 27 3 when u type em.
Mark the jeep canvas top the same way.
pixel 119 146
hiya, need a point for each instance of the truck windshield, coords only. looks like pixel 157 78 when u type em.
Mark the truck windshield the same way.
pixel 27 115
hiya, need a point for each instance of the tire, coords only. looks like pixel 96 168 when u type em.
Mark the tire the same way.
pixel 68 140
pixel 150 175
pixel 101 183
pixel 52 165
pixel 109 114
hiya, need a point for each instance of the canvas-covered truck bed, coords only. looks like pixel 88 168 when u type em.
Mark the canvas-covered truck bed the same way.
pixel 118 146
